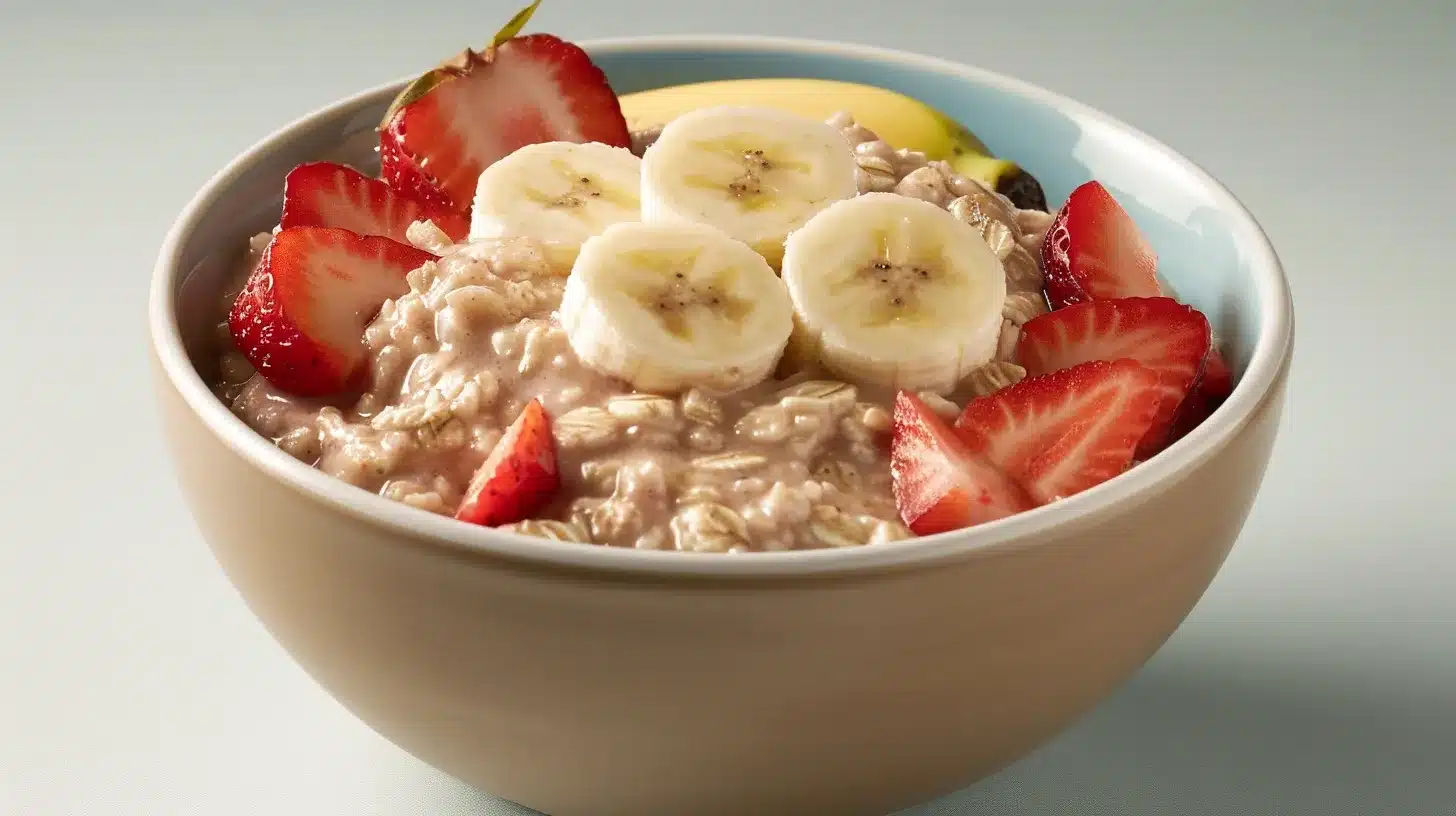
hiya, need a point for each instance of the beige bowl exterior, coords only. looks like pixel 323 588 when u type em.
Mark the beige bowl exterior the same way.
pixel 587 693
pixel 854 690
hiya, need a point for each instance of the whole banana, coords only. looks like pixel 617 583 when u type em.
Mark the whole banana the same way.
pixel 898 119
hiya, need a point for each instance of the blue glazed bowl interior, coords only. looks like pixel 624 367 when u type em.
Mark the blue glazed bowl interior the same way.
pixel 1062 146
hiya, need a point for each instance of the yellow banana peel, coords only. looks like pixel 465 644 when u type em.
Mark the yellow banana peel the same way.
pixel 898 119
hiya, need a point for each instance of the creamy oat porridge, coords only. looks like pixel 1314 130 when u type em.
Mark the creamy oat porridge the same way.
pixel 741 330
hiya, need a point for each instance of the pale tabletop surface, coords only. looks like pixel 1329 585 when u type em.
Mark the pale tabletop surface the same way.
pixel 1316 678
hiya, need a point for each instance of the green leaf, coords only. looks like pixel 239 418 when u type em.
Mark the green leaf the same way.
pixel 421 86
pixel 515 25
pixel 428 80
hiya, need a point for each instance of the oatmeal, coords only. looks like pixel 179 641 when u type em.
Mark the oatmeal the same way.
pixel 790 335
pixel 791 463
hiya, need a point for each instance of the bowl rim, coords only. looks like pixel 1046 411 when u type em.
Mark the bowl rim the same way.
pixel 415 527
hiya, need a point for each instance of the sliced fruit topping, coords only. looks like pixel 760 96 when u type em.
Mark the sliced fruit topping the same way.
pixel 1212 388
pixel 325 194
pixel 400 172
pixel 301 315
pixel 459 118
pixel 518 477
pixel 1171 339
pixel 1095 251
pixel 939 484
pixel 1064 432
pixel 893 291
pixel 1217 382
pixel 758 174
pixel 668 307
pixel 561 191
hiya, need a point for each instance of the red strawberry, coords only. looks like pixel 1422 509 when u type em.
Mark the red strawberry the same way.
pixel 1064 432
pixel 1094 251
pixel 939 485
pixel 1217 382
pixel 519 475
pixel 458 119
pixel 1164 335
pixel 301 316
pixel 1208 394
pixel 324 194
pixel 400 172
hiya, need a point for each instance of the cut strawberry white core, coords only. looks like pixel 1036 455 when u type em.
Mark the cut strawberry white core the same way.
pixel 325 194
pixel 300 316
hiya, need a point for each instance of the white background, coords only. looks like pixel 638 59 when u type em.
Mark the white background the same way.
pixel 1318 676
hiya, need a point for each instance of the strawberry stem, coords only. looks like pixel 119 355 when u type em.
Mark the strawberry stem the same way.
pixel 514 26
pixel 421 86
pixel 427 81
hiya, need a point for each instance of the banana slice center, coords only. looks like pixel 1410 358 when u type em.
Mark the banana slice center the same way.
pixel 673 288
pixel 760 178
pixel 899 273
pixel 581 189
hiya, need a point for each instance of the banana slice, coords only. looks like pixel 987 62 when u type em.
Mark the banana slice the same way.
pixel 668 307
pixel 894 291
pixel 757 174
pixel 560 193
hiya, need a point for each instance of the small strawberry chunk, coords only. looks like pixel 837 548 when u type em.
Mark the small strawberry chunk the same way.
pixel 939 485
pixel 1217 382
pixel 518 477
pixel 300 317
pixel 1095 251
pixel 460 118
pixel 1171 339
pixel 1064 432
pixel 1212 388
pixel 325 194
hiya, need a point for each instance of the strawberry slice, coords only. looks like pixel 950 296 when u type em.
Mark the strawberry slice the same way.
pixel 459 118
pixel 325 194
pixel 1064 432
pixel 1164 335
pixel 939 485
pixel 1217 382
pixel 518 477
pixel 1094 251
pixel 301 315
pixel 1215 386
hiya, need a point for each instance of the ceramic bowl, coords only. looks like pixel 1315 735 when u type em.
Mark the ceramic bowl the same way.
pixel 586 680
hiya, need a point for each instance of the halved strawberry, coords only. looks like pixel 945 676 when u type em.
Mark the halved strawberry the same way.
pixel 939 485
pixel 301 316
pixel 461 117
pixel 518 477
pixel 1064 432
pixel 1094 251
pixel 400 172
pixel 325 194
pixel 1164 335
